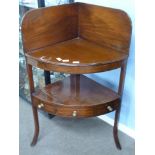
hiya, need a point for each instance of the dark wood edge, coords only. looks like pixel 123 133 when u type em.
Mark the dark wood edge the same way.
pixel 75 69
pixel 71 4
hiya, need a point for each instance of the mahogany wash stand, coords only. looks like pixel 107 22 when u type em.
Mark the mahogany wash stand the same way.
pixel 77 39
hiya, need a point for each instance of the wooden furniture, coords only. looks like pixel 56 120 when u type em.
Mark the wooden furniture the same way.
pixel 76 38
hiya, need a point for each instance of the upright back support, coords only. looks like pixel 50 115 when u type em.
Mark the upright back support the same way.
pixel 46 26
pixel 105 26
pixel 50 25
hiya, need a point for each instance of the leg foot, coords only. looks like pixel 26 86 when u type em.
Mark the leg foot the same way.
pixel 115 130
pixel 50 116
pixel 116 139
pixel 36 122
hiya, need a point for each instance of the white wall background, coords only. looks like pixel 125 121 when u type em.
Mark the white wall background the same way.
pixel 110 78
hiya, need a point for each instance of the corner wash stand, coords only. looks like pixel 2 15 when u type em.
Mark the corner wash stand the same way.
pixel 77 39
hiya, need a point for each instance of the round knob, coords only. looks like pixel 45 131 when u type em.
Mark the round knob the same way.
pixel 41 105
pixel 74 113
pixel 109 108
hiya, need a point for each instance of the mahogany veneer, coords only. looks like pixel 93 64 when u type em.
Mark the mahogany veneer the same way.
pixel 89 57
pixel 76 38
pixel 77 93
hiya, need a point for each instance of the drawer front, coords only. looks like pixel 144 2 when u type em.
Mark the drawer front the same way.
pixel 79 112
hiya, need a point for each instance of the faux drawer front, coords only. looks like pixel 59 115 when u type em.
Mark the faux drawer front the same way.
pixel 76 96
pixel 75 111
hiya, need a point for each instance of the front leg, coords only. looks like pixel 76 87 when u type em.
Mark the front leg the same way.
pixel 34 109
pixel 36 123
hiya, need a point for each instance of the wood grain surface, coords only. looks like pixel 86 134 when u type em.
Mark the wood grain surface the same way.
pixel 105 26
pixel 76 38
pixel 76 56
pixel 76 93
pixel 46 26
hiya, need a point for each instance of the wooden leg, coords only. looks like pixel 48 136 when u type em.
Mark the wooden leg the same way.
pixel 36 123
pixel 115 129
pixel 75 84
pixel 34 109
pixel 117 113
pixel 50 116
pixel 122 79
pixel 47 77
pixel 48 81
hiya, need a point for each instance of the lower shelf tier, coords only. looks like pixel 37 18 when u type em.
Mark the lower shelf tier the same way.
pixel 76 96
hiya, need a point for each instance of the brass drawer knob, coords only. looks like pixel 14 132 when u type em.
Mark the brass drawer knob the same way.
pixel 109 108
pixel 74 113
pixel 41 105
